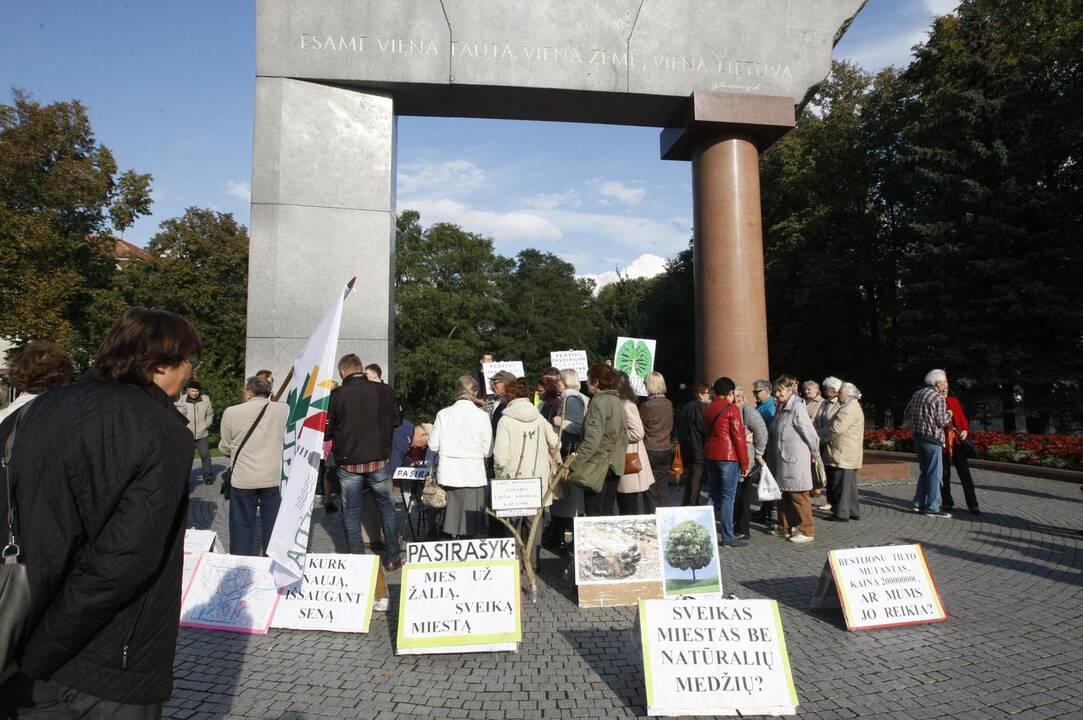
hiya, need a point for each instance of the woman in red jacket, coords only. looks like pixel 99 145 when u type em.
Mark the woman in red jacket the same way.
pixel 955 453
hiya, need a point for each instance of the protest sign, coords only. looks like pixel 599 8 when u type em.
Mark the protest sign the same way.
pixel 709 656
pixel 515 367
pixel 335 594
pixel 406 476
pixel 689 549
pixel 197 541
pixel 464 606
pixel 446 551
pixel 230 592
pixel 880 587
pixel 516 497
pixel 571 360
pixel 617 560
pixel 635 356
pixel 191 559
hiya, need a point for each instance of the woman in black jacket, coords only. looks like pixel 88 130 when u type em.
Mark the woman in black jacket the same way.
pixel 100 475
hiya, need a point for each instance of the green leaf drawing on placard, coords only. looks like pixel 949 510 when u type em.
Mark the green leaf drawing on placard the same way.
pixel 634 358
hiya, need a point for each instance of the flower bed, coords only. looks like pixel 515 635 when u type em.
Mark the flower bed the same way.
pixel 1053 451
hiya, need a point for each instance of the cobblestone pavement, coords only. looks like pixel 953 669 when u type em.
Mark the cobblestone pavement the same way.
pixel 1011 580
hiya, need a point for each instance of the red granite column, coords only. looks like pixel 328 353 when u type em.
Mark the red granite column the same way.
pixel 731 310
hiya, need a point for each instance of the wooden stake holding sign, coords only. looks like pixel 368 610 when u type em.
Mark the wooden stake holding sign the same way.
pixel 880 587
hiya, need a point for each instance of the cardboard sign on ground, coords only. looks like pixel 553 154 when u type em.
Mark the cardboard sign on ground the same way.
pixel 571 360
pixel 617 560
pixel 515 367
pixel 230 592
pixel 459 607
pixel 336 594
pixel 710 656
pixel 516 497
pixel 689 550
pixel 880 587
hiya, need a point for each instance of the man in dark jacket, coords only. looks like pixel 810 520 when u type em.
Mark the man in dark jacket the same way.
pixel 360 420
pixel 100 474
pixel 690 434
pixel 725 455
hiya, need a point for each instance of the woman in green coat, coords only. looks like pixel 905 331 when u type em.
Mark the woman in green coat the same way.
pixel 599 460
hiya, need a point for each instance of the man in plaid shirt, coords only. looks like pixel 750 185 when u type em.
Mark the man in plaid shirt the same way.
pixel 927 415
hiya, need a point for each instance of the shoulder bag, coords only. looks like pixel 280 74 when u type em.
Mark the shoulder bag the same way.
pixel 433 496
pixel 227 475
pixel 14 583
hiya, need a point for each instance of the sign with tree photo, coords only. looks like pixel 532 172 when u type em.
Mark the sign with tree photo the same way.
pixel 635 356
pixel 689 546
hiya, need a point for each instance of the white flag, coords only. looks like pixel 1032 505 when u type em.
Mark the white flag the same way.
pixel 308 397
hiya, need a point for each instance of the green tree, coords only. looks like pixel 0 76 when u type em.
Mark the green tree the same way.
pixel 60 198
pixel 689 547
pixel 548 308
pixel 199 270
pixel 448 306
pixel 994 139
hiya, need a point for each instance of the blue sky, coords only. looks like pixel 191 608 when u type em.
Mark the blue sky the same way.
pixel 169 89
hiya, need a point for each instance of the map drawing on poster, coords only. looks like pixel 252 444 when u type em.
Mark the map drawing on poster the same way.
pixel 459 607
pixel 709 656
pixel 335 594
pixel 230 592
pixel 880 587
pixel 635 356
pixel 571 360
pixel 515 367
pixel 689 545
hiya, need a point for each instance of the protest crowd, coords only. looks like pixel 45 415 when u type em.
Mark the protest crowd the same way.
pixel 98 479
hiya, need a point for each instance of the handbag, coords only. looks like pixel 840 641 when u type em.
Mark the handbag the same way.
pixel 14 582
pixel 433 496
pixel 227 474
pixel 769 489
pixel 632 463
pixel 677 467
pixel 819 475
pixel 969 448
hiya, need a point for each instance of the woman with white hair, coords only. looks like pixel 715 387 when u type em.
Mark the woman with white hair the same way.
pixel 463 436
pixel 823 417
pixel 810 391
pixel 842 453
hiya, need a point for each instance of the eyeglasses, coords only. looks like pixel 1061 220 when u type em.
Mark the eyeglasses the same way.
pixel 195 362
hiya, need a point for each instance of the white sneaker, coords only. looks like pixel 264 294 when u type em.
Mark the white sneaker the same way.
pixel 800 537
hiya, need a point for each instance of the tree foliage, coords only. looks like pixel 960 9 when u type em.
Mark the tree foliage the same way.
pixel 689 547
pixel 60 198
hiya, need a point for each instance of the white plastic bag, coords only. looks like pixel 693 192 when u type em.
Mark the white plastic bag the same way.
pixel 768 487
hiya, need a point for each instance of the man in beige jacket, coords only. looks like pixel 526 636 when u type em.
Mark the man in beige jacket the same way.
pixel 843 451
pixel 257 468
pixel 196 409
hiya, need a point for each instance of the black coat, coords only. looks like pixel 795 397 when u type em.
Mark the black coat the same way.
pixel 101 472
pixel 691 433
pixel 360 418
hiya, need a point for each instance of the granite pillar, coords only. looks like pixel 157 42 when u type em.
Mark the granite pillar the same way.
pixel 731 311
pixel 723 135
pixel 323 211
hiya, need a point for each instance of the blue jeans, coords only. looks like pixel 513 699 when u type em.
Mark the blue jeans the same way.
pixel 242 518
pixel 931 463
pixel 723 476
pixel 353 488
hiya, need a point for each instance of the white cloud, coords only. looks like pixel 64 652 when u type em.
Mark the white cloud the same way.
pixel 621 192
pixel 644 266
pixel 548 201
pixel 941 7
pixel 639 233
pixel 501 225
pixel 239 190
pixel 450 177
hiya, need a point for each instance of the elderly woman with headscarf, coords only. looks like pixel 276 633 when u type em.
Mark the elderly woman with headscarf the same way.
pixel 821 420
pixel 792 447
pixel 842 454
pixel 463 436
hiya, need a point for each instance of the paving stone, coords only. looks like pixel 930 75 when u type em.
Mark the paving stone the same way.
pixel 1011 579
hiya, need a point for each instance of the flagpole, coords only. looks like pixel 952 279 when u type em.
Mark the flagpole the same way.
pixel 289 376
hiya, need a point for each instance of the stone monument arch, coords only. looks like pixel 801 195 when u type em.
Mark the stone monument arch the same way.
pixel 721 77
